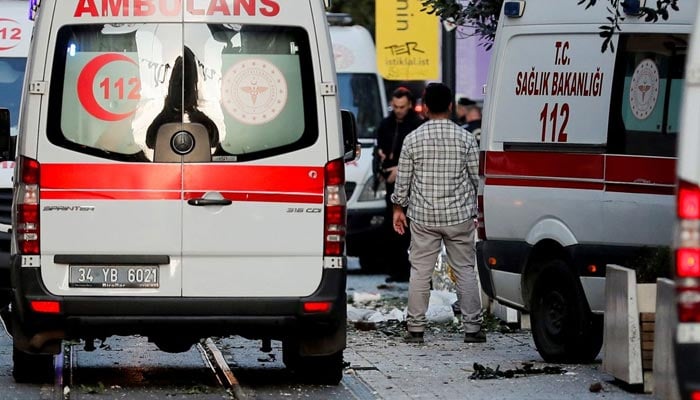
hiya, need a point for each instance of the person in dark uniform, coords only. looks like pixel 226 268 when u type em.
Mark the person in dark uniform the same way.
pixel 463 105
pixel 391 133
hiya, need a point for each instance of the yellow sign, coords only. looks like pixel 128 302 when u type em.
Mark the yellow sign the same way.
pixel 407 41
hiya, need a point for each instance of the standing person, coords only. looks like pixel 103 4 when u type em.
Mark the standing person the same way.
pixel 473 121
pixel 402 120
pixel 437 180
pixel 463 105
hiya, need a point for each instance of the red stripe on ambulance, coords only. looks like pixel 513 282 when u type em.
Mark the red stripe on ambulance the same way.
pixel 263 197
pixel 545 164
pixel 171 8
pixel 282 184
pixel 644 170
pixel 111 176
pixel 612 173
pixel 234 178
pixel 545 183
pixel 108 195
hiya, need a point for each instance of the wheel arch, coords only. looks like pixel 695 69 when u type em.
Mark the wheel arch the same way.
pixel 542 252
pixel 549 237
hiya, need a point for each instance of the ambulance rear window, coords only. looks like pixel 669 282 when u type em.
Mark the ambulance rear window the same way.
pixel 359 93
pixel 114 86
pixel 648 80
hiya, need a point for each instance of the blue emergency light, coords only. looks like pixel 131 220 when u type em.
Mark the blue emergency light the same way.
pixel 514 9
pixel 632 7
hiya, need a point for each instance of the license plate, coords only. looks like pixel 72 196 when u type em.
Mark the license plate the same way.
pixel 114 277
pixel 688 333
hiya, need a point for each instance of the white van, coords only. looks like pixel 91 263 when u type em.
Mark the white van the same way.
pixel 687 238
pixel 15 35
pixel 361 90
pixel 578 161
pixel 180 175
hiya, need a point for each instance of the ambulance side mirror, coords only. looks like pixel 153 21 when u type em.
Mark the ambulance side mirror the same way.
pixel 5 134
pixel 351 147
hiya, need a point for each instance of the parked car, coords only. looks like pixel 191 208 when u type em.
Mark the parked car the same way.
pixel 361 90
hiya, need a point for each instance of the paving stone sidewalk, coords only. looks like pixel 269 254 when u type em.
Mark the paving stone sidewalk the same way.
pixel 440 368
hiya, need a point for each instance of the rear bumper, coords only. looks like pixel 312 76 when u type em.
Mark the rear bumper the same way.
pixel 511 256
pixel 82 317
pixel 687 364
pixel 5 291
pixel 365 228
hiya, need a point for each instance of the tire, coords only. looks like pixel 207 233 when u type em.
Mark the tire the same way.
pixel 563 327
pixel 174 346
pixel 290 353
pixel 323 369
pixel 32 368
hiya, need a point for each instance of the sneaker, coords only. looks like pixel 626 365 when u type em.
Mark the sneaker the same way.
pixel 413 337
pixel 475 337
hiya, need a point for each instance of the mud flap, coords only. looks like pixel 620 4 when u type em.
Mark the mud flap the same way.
pixel 324 345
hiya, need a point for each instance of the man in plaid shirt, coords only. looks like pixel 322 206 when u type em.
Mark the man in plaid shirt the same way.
pixel 437 180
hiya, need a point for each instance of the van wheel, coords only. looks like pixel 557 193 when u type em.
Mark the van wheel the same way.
pixel 321 370
pixel 563 327
pixel 32 368
pixel 173 346
pixel 324 369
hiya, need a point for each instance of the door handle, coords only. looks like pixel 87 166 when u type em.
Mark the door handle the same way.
pixel 203 202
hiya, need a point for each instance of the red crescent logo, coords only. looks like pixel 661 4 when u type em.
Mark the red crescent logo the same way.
pixel 86 81
pixel 14 34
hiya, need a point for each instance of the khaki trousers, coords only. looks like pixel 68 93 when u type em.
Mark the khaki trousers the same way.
pixel 460 247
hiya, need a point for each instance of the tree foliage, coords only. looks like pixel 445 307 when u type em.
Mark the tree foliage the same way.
pixel 480 17
pixel 362 11
pixel 473 18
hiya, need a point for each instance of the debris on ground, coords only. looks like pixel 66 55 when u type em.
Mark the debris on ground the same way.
pixel 483 372
pixel 270 357
pixel 373 308
pixel 368 315
pixel 362 297
pixel 596 387
pixel 365 325
pixel 386 313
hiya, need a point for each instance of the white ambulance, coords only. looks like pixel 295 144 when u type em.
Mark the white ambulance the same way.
pixel 180 175
pixel 687 238
pixel 578 161
pixel 361 90
pixel 15 35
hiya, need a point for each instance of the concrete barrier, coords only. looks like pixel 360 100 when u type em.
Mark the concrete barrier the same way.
pixel 665 386
pixel 622 351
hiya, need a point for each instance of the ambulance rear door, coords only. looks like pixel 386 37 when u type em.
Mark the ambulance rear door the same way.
pixel 253 214
pixel 111 203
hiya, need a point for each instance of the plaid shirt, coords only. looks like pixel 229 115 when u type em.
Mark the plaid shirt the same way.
pixel 438 174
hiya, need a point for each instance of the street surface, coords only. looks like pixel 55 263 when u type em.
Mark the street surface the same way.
pixel 380 366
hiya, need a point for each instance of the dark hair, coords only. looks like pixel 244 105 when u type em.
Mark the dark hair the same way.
pixel 466 101
pixel 437 97
pixel 400 92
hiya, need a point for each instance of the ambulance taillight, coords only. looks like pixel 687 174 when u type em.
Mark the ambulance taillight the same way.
pixel 336 211
pixel 687 254
pixel 481 225
pixel 27 207
pixel 688 201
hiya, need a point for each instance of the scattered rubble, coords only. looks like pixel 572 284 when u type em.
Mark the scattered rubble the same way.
pixel 483 372
pixel 596 387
